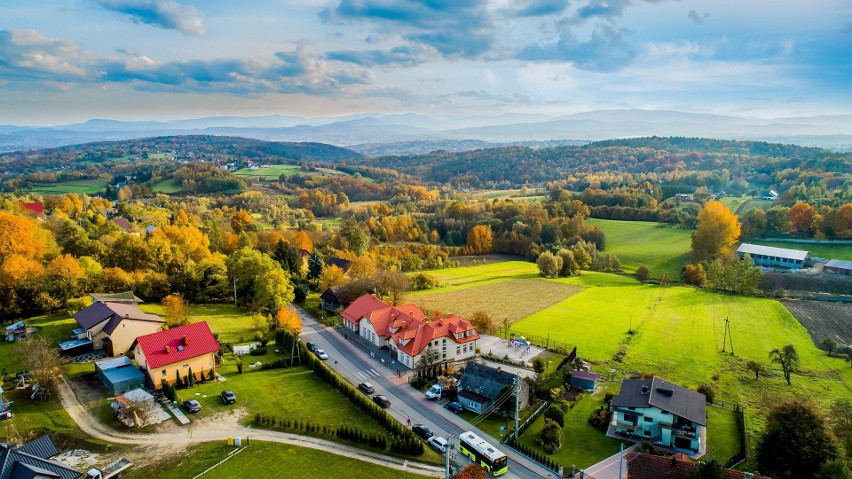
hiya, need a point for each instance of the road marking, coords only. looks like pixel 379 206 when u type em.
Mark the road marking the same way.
pixel 373 372
pixel 360 375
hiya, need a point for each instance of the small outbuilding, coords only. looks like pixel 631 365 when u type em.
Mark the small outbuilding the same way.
pixel 774 257
pixel 585 380
pixel 119 374
pixel 16 331
pixel 838 266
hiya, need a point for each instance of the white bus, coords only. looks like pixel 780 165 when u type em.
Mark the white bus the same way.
pixel 483 454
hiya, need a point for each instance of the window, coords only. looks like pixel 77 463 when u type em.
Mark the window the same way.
pixel 458 351
pixel 445 340
pixel 648 419
pixel 163 372
pixel 632 408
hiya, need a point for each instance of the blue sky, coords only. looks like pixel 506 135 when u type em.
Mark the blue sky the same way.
pixel 71 60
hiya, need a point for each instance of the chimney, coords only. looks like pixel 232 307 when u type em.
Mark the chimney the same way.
pixel 185 341
pixel 168 349
pixel 126 315
pixel 644 390
pixel 404 324
pixel 374 295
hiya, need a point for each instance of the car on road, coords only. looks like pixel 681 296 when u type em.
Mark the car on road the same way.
pixel 382 400
pixel 228 397
pixel 367 388
pixel 312 347
pixel 437 443
pixel 454 406
pixel 321 354
pixel 423 431
pixel 191 405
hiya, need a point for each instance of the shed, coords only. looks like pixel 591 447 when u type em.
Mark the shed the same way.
pixel 119 374
pixel 15 331
pixel 838 266
pixel 585 380
pixel 774 257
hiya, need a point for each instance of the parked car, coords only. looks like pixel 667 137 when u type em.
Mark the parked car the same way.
pixel 454 406
pixel 312 347
pixel 191 405
pixel 367 388
pixel 382 400
pixel 228 397
pixel 437 443
pixel 423 431
pixel 435 392
pixel 321 354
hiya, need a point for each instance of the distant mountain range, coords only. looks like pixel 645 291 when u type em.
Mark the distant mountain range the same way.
pixel 375 134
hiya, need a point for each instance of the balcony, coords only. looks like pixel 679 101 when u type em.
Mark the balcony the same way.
pixel 685 431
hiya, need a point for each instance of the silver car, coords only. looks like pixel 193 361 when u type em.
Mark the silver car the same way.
pixel 437 443
pixel 321 354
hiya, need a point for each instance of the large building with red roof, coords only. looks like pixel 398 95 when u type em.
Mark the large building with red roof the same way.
pixel 177 351
pixel 406 331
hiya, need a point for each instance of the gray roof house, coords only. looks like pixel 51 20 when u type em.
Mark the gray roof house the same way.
pixel 661 412
pixel 480 386
pixel 115 326
pixel 33 461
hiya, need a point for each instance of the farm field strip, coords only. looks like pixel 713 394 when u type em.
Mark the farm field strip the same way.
pixel 75 186
pixel 643 243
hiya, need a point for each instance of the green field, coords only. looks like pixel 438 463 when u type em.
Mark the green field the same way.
pixel 679 332
pixel 515 194
pixel 829 251
pixel 168 186
pixel 272 172
pixel 233 324
pixel 643 243
pixel 734 202
pixel 77 186
pixel 264 459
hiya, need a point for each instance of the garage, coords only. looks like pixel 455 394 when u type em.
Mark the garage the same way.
pixel 119 374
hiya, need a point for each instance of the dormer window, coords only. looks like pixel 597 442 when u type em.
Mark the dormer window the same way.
pixel 469 332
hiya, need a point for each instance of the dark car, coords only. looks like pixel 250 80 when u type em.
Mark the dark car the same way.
pixel 381 400
pixel 312 347
pixel 191 405
pixel 423 431
pixel 367 388
pixel 454 406
pixel 228 397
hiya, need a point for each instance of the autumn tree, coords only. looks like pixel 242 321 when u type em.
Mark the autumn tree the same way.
pixel 795 442
pixel 40 356
pixel 842 222
pixel 471 471
pixel 21 235
pixel 718 229
pixel 362 267
pixel 303 242
pixel 693 273
pixel 569 266
pixel 394 284
pixel 176 310
pixel 801 217
pixel 288 319
pixel 331 276
pixel 787 358
pixel 549 265
pixel 240 220
pixel 479 239
pixel 482 321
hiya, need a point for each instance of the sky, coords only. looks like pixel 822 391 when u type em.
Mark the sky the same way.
pixel 64 61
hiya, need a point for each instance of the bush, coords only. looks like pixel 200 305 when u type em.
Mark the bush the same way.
pixel 299 294
pixel 642 273
pixel 600 418
pixel 422 281
pixel 555 414
pixel 708 390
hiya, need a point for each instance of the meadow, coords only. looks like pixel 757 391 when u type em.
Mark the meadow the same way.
pixel 643 243
pixel 168 186
pixel 269 460
pixel 678 335
pixel 79 187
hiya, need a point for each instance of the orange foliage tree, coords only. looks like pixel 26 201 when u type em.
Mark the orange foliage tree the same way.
pixel 842 222
pixel 479 239
pixel 240 220
pixel 471 471
pixel 801 217
pixel 288 319
pixel 718 229
pixel 20 235
pixel 303 242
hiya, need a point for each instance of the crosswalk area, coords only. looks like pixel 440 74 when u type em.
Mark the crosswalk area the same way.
pixel 367 374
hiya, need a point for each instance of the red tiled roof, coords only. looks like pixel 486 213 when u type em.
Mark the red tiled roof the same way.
pixel 36 207
pixel 647 466
pixel 122 223
pixel 199 340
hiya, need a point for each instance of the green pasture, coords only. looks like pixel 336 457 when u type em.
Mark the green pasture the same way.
pixel 263 459
pixel 466 276
pixel 643 243
pixel 272 172
pixel 79 187
pixel 232 323
pixel 733 202
pixel 820 250
pixel 168 186
pixel 515 194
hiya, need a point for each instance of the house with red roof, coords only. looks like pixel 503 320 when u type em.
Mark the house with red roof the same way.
pixel 35 209
pixel 177 351
pixel 406 331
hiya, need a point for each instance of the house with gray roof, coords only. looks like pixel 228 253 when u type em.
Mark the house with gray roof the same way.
pixel 114 327
pixel 661 412
pixel 480 386
pixel 33 461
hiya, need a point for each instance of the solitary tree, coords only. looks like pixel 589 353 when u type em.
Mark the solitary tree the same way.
pixel 482 321
pixel 394 284
pixel 829 344
pixel 549 265
pixel 756 367
pixel 795 442
pixel 717 230
pixel 176 310
pixel 288 319
pixel 40 357
pixel 788 358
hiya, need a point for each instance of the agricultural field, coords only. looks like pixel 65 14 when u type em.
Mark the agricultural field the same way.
pixel 751 204
pixel 515 194
pixel 79 187
pixel 168 186
pixel 733 202
pixel 824 320
pixel 819 250
pixel 263 459
pixel 643 243
pixel 678 336
pixel 272 172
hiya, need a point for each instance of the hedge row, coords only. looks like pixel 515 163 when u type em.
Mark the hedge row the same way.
pixel 535 455
pixel 346 433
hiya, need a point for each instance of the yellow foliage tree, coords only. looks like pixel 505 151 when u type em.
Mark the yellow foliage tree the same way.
pixel 240 220
pixel 288 319
pixel 479 239
pixel 176 310
pixel 303 242
pixel 331 276
pixel 718 229
pixel 362 267
pixel 21 235
pixel 17 270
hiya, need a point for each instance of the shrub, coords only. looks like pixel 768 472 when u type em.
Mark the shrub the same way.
pixel 642 273
pixel 422 281
pixel 299 294
pixel 599 419
pixel 708 390
pixel 555 414
pixel 258 351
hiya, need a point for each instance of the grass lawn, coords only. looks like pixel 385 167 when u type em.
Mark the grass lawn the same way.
pixel 722 434
pixel 273 172
pixel 831 251
pixel 168 186
pixel 232 323
pixel 734 202
pixel 75 186
pixel 264 459
pixel 582 444
pixel 643 243
pixel 488 273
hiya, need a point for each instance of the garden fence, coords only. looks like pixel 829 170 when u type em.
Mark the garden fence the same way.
pixel 526 422
pixel 545 342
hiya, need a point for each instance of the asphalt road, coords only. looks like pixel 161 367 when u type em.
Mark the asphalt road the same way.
pixel 354 365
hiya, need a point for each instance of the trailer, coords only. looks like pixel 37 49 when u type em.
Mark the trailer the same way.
pixel 113 470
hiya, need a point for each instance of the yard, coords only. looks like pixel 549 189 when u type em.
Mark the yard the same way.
pixel 642 243
pixel 264 459
pixel 232 323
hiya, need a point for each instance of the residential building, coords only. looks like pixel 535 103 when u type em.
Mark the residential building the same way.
pixel 33 461
pixel 341 263
pixel 126 297
pixel 114 327
pixel 774 257
pixel 480 386
pixel 661 412
pixel 838 266
pixel 407 333
pixel 174 352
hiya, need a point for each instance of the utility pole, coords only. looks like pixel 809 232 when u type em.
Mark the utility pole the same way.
pixel 517 400
pixel 447 458
pixel 620 460
pixel 235 291
pixel 728 337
